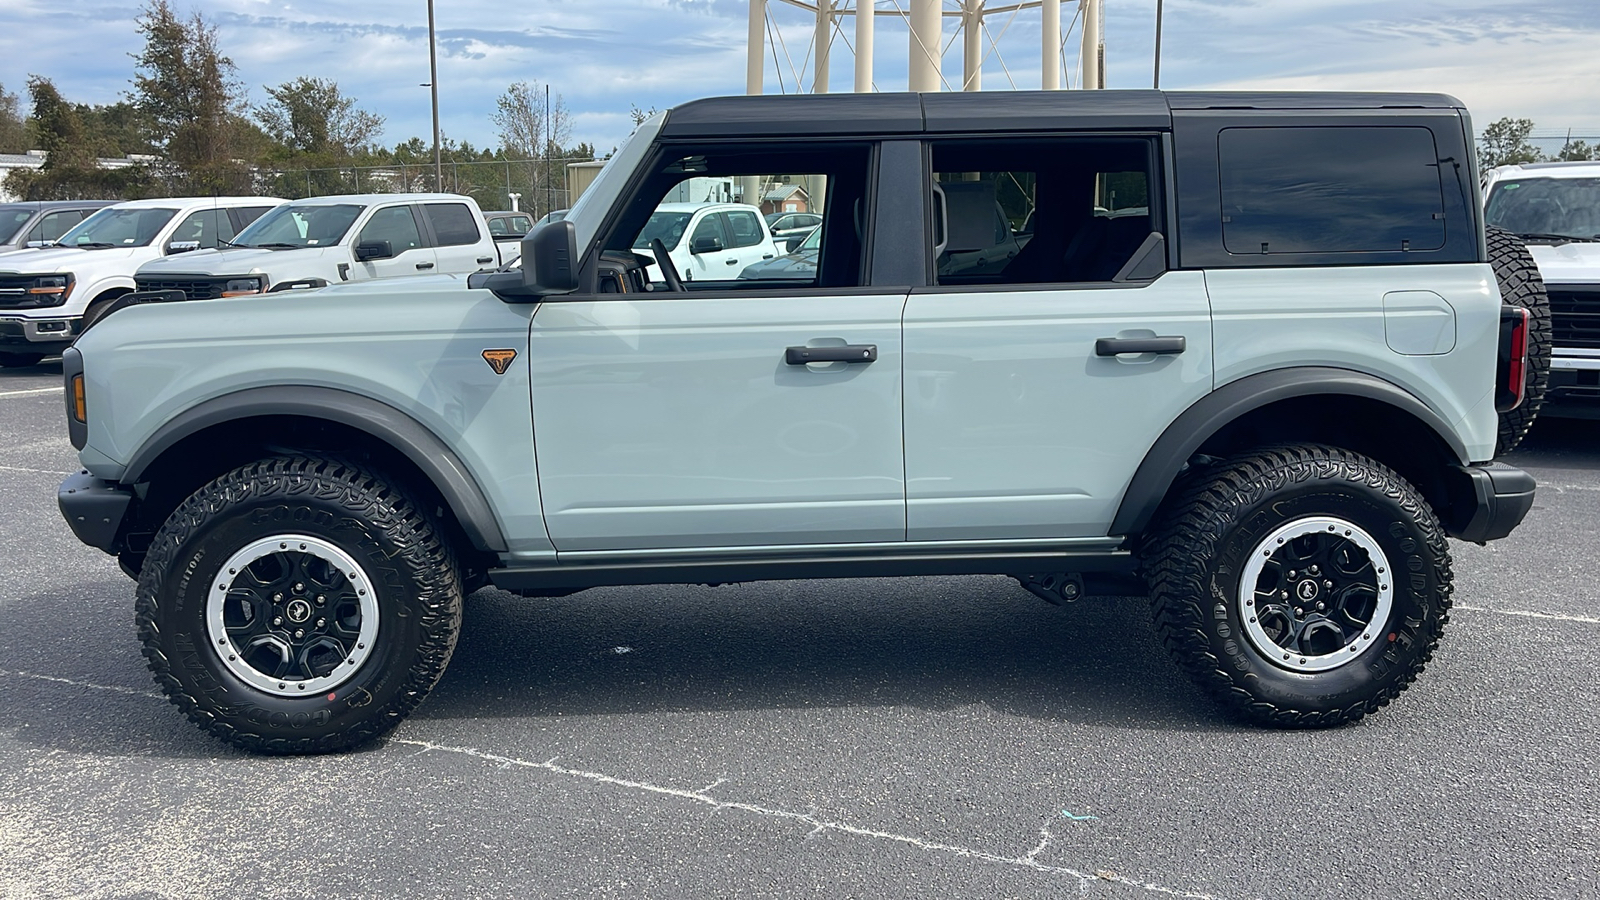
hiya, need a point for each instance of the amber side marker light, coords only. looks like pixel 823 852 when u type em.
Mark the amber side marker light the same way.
pixel 80 409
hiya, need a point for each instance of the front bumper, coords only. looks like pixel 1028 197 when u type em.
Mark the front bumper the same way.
pixel 95 509
pixel 1488 501
pixel 38 335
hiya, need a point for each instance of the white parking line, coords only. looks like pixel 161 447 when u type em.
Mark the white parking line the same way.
pixel 38 471
pixel 53 390
pixel 84 684
pixel 1528 615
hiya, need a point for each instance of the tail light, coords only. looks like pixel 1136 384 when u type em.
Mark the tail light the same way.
pixel 1511 373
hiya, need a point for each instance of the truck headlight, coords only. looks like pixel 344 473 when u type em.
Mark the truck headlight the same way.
pixel 50 290
pixel 241 287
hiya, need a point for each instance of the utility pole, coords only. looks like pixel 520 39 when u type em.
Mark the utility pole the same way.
pixel 866 26
pixel 824 40
pixel 1050 59
pixel 927 45
pixel 1157 84
pixel 1093 50
pixel 433 85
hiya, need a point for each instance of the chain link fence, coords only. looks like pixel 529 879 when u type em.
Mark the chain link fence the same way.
pixel 541 185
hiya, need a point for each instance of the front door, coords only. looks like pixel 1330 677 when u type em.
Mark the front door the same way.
pixel 704 418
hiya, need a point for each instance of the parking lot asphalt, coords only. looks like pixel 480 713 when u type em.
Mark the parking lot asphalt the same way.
pixel 938 737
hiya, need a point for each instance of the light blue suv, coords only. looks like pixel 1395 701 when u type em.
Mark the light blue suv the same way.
pixel 1264 392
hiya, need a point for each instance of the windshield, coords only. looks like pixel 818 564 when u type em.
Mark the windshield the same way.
pixel 295 226
pixel 813 241
pixel 668 226
pixel 12 218
pixel 113 227
pixel 1554 207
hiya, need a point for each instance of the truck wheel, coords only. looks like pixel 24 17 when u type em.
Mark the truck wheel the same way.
pixel 19 360
pixel 1521 285
pixel 1273 583
pixel 298 605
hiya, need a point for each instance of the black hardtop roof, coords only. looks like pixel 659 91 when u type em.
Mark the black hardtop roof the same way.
pixel 1012 111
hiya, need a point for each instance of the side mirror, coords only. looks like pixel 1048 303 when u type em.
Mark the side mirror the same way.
pixel 550 259
pixel 183 246
pixel 792 244
pixel 705 245
pixel 370 250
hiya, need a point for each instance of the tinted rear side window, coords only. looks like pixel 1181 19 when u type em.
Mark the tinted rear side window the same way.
pixel 1330 190
pixel 453 223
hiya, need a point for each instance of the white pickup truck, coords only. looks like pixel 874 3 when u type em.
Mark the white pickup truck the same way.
pixel 708 241
pixel 49 295
pixel 325 240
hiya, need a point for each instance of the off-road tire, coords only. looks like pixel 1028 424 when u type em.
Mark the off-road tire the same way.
pixel 1521 285
pixel 19 360
pixel 397 552
pixel 1223 514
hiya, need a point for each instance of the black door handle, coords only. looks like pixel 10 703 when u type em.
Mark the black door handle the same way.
pixel 424 265
pixel 1113 346
pixel 485 259
pixel 850 353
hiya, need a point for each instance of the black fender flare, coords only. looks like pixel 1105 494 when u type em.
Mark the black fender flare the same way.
pixel 1216 410
pixel 421 446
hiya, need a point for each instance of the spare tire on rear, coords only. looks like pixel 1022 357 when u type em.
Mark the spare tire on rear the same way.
pixel 1520 285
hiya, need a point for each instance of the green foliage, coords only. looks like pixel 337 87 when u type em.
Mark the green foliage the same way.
pixel 13 130
pixel 71 170
pixel 1505 143
pixel 186 90
pixel 1578 150
pixel 311 126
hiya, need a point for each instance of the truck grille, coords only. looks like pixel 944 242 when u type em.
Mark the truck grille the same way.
pixel 194 287
pixel 14 292
pixel 1575 315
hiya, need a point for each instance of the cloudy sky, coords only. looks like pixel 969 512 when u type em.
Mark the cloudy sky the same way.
pixel 1538 59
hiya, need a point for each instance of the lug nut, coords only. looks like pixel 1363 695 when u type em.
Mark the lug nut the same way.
pixel 299 633
pixel 321 599
pixel 321 623
pixel 298 587
pixel 1291 573
pixel 1314 570
pixel 1321 607
pixel 1328 585
pixel 277 620
pixel 277 598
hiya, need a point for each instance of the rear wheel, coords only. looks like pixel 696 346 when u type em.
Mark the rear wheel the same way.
pixel 19 360
pixel 1521 285
pixel 1302 586
pixel 298 605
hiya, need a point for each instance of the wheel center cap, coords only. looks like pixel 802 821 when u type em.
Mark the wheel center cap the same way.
pixel 299 610
pixel 1307 590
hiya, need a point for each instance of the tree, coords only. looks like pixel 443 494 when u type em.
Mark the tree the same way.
pixel 13 130
pixel 187 92
pixel 1505 143
pixel 532 135
pixel 311 115
pixel 318 131
pixel 71 170
pixel 1578 150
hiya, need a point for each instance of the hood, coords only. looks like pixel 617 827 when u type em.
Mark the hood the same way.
pixel 228 261
pixel 63 259
pixel 1575 263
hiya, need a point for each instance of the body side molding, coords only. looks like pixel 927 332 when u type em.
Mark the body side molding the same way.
pixel 402 432
pixel 1217 409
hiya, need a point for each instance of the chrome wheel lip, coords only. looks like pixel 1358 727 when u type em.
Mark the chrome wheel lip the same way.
pixel 1262 554
pixel 229 654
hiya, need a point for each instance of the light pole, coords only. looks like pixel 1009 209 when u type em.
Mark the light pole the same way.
pixel 1158 46
pixel 433 85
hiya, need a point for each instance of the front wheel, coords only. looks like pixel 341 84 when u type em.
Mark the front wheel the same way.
pixel 298 605
pixel 1302 586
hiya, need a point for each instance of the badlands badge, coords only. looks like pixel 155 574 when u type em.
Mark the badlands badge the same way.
pixel 499 360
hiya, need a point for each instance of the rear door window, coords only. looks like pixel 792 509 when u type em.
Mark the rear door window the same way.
pixel 453 223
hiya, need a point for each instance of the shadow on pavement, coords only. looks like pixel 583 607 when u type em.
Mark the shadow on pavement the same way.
pixel 929 643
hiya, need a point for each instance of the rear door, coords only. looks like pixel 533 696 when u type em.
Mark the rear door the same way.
pixel 1035 387
pixel 459 241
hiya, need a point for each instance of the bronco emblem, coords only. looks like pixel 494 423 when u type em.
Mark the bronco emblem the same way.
pixel 499 360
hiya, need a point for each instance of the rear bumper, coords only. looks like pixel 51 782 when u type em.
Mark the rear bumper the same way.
pixel 95 509
pixel 1488 501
